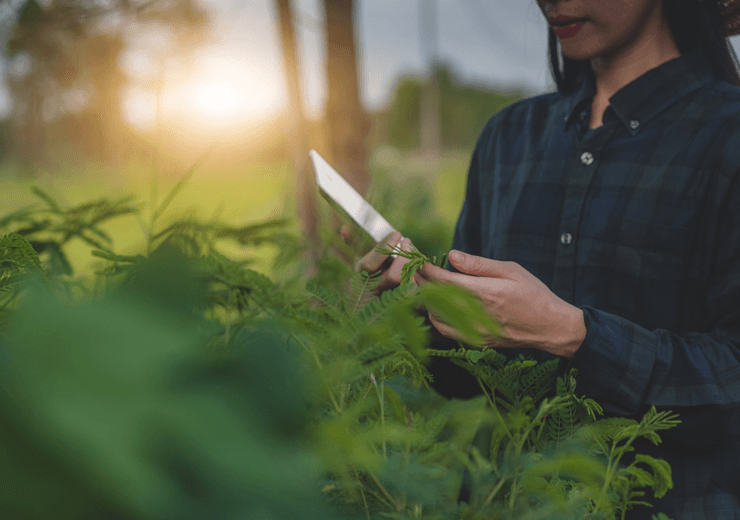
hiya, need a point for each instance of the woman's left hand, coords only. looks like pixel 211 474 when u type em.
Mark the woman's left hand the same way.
pixel 530 314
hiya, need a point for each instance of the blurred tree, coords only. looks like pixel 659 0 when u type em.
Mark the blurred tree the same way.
pixel 306 200
pixel 347 122
pixel 464 110
pixel 65 78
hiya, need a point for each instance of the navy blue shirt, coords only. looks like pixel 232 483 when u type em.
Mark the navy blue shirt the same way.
pixel 637 223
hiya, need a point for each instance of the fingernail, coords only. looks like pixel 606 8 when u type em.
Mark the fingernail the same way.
pixel 455 256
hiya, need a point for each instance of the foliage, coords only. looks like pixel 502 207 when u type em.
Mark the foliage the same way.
pixel 50 228
pixel 71 50
pixel 417 261
pixel 124 415
pixel 464 110
pixel 193 386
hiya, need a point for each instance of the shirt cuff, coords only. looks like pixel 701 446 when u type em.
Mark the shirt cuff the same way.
pixel 614 362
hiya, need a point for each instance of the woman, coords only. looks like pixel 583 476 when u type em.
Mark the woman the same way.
pixel 602 226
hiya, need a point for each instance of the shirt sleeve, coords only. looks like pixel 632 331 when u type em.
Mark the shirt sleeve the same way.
pixel 627 368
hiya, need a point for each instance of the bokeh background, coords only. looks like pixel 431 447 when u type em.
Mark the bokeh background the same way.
pixel 115 97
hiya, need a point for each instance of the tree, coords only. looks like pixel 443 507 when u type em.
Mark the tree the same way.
pixel 306 200
pixel 346 120
pixel 74 47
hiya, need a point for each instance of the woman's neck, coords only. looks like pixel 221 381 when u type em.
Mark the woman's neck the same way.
pixel 644 53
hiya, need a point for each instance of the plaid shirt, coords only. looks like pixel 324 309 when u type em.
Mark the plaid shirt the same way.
pixel 637 223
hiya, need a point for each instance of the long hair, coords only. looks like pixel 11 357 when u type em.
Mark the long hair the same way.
pixel 682 16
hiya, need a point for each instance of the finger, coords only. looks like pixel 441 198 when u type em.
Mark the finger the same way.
pixel 479 266
pixel 486 267
pixel 372 261
pixel 346 232
pixel 394 271
pixel 392 276
pixel 433 274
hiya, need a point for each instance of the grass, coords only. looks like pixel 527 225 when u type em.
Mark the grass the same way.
pixel 237 194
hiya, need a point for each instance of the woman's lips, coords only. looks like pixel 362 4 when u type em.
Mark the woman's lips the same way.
pixel 568 31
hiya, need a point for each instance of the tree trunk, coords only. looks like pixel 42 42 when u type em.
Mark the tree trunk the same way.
pixel 347 123
pixel 306 200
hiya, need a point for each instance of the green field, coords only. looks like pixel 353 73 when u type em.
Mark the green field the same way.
pixel 236 194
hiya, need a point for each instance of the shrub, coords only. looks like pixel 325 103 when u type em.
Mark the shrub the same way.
pixel 194 387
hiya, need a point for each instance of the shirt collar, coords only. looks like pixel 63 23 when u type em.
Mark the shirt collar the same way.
pixel 640 101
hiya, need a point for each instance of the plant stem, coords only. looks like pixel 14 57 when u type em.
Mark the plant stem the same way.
pixel 495 490
pixel 379 498
pixel 613 464
pixel 398 506
pixel 362 492
pixel 406 468
pixel 381 399
pixel 227 332
pixel 512 495
pixel 492 400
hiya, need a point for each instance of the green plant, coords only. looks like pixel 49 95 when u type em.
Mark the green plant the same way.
pixel 418 260
pixel 205 349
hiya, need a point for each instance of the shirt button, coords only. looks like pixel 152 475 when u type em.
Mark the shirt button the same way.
pixel 634 124
pixel 566 238
pixel 587 158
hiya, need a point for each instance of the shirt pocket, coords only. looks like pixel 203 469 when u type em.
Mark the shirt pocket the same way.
pixel 656 250
pixel 648 263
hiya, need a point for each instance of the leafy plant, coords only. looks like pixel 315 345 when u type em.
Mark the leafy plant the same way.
pixel 319 375
pixel 418 260
pixel 50 228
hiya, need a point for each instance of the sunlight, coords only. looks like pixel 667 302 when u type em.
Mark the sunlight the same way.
pixel 226 90
pixel 216 101
pixel 222 92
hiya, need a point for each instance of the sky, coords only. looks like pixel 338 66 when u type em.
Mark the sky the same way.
pixel 494 45
pixel 500 44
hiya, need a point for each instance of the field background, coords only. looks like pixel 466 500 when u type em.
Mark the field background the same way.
pixel 69 129
pixel 238 194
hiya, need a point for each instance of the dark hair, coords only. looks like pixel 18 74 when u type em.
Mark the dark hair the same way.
pixel 682 16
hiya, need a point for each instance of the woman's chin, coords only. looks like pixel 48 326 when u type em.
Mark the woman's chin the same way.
pixel 579 52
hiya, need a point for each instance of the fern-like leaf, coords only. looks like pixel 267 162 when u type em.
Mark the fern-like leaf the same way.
pixel 377 307
pixel 17 257
pixel 361 287
pixel 48 199
pixel 538 380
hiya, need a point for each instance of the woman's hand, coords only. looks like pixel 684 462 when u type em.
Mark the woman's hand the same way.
pixel 390 268
pixel 531 316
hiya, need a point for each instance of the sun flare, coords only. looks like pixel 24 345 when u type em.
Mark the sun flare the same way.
pixel 221 93
pixel 216 100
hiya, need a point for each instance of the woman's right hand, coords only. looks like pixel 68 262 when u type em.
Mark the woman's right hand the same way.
pixel 374 262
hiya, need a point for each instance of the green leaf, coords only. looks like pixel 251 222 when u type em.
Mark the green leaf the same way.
pixel 46 198
pixel 108 255
pixel 474 355
pixel 461 311
pixel 179 186
pixel 662 476
pixel 16 249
